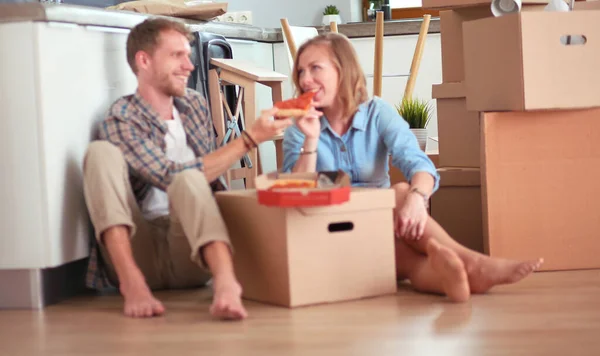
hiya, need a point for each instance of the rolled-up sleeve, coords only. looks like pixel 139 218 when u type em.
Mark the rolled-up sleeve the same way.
pixel 293 140
pixel 407 156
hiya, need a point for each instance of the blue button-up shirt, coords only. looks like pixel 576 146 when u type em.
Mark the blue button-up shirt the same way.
pixel 377 132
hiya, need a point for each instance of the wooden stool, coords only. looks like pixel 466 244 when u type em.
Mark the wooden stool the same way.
pixel 245 75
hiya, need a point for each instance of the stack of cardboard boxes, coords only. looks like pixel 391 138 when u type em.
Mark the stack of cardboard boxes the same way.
pixel 519 126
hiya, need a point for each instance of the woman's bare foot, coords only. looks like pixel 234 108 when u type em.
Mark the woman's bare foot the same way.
pixel 454 276
pixel 139 301
pixel 486 272
pixel 227 299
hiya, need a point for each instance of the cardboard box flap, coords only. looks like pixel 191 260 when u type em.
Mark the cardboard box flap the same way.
pixel 459 177
pixel 448 90
pixel 196 10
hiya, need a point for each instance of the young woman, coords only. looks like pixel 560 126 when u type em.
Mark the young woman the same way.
pixel 346 130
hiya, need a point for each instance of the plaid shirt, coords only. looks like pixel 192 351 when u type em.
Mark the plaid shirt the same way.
pixel 133 126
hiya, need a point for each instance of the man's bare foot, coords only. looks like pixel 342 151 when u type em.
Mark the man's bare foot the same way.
pixel 227 299
pixel 454 276
pixel 486 272
pixel 139 301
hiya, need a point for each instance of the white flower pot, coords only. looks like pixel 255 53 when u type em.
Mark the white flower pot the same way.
pixel 328 19
pixel 421 135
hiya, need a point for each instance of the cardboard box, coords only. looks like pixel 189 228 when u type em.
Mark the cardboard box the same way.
pixel 517 62
pixel 587 5
pixel 458 129
pixel 451 32
pixel 449 4
pixel 540 186
pixel 301 256
pixel 456 206
pixel 452 40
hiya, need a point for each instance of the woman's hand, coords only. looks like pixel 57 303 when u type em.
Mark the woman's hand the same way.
pixel 410 219
pixel 310 124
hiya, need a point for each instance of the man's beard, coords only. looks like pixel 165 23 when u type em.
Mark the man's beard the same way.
pixel 168 87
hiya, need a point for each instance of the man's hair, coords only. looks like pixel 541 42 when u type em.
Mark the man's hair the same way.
pixel 145 37
pixel 352 86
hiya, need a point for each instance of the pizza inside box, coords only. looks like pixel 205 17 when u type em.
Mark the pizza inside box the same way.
pixel 303 189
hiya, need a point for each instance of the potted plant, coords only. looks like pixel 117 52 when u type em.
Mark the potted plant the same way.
pixel 416 113
pixel 331 14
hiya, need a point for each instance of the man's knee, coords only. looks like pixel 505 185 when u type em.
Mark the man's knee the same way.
pixel 102 151
pixel 188 180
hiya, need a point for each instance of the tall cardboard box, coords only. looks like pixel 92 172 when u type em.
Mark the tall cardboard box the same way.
pixel 456 206
pixel 451 38
pixel 540 186
pixel 458 128
pixel 301 256
pixel 521 61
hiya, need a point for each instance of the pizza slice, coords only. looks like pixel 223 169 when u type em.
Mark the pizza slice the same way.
pixel 295 107
pixel 289 183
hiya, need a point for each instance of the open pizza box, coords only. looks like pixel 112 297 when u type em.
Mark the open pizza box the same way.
pixel 303 189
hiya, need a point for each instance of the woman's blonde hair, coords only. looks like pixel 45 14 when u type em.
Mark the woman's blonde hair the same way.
pixel 352 86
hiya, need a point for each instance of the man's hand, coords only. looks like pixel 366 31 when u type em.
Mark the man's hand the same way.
pixel 264 128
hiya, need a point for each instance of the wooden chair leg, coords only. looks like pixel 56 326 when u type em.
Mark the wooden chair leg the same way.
pixel 416 62
pixel 333 27
pixel 378 57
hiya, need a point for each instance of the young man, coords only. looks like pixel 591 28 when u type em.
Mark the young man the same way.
pixel 149 181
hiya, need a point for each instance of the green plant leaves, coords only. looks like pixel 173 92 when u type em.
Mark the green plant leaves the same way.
pixel 331 10
pixel 415 112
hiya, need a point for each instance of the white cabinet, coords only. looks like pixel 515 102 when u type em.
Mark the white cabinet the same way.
pixel 56 83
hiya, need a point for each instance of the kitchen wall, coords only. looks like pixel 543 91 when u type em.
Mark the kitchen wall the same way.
pixel 267 13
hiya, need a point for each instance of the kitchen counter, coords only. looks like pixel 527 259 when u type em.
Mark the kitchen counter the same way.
pixel 92 16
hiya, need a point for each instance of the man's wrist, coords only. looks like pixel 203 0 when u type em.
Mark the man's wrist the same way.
pixel 249 140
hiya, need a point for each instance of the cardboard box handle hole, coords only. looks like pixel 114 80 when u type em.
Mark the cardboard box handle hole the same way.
pixel 341 226
pixel 573 40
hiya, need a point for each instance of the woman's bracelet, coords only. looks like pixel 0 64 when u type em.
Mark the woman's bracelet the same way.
pixel 425 196
pixel 303 152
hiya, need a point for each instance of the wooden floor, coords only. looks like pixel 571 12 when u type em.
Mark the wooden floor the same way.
pixel 550 313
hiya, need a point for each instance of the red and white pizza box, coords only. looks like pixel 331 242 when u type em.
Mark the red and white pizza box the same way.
pixel 331 187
